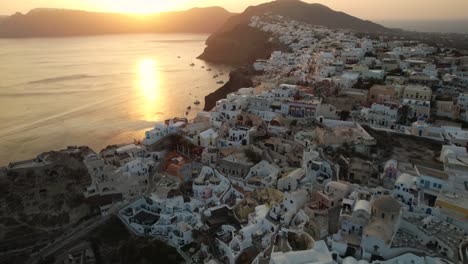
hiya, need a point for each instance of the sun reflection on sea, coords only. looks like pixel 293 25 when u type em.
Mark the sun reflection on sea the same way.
pixel 149 83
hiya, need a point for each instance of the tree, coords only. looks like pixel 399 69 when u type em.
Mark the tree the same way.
pixel 344 115
pixel 369 54
pixel 396 71
pixel 403 112
pixel 253 156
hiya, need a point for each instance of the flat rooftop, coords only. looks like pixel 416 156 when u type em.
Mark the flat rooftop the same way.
pixel 432 172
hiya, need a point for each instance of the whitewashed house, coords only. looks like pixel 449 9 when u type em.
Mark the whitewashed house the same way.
pixel 406 189
pixel 292 203
pixel 262 174
pixel 379 233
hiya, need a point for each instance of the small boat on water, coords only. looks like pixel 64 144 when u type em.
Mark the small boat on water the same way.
pixel 186 113
pixel 220 82
pixel 189 107
pixel 178 57
pixel 202 67
pixel 196 102
pixel 215 76
pixel 192 64
pixel 209 69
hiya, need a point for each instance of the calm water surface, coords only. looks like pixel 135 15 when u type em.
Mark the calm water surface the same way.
pixel 96 91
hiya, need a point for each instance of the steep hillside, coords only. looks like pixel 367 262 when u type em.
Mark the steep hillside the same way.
pixel 239 78
pixel 315 14
pixel 235 43
pixel 241 45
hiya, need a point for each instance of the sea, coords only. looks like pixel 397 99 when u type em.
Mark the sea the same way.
pixel 97 90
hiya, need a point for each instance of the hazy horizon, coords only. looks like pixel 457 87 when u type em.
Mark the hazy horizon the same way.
pixel 425 25
pixel 375 10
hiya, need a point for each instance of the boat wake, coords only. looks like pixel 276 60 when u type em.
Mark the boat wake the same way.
pixel 63 78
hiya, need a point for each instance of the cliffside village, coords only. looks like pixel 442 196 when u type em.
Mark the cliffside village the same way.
pixel 349 150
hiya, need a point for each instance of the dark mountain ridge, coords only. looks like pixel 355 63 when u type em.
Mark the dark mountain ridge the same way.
pixel 236 43
pixel 43 22
pixel 316 14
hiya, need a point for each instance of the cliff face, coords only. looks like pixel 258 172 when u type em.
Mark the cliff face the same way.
pixel 58 22
pixel 239 78
pixel 240 46
pixel 237 44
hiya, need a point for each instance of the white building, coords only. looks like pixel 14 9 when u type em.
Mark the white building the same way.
pixel 462 101
pixel 418 109
pixel 171 220
pixel 316 170
pixel 456 135
pixel 319 254
pixel 263 174
pixel 384 115
pixel 406 189
pixel 208 138
pixel 210 186
pixel 259 228
pixel 237 136
pixel 291 181
pixel 355 215
pixel 130 180
pixel 159 131
pixel 292 203
pixel 285 91
pixel 386 216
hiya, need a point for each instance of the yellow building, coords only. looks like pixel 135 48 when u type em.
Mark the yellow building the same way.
pixel 454 206
pixel 421 93
pixel 383 93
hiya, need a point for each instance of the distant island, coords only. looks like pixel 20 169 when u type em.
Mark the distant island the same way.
pixel 44 22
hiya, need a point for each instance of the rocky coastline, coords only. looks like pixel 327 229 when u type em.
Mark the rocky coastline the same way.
pixel 238 78
pixel 240 47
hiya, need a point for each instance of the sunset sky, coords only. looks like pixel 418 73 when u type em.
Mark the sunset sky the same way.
pixel 366 9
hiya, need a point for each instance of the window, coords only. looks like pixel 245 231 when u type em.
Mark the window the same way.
pixel 434 185
pixel 440 186
pixel 422 181
pixel 383 215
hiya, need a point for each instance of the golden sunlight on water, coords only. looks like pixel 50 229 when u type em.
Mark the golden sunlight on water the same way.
pixel 114 89
pixel 149 86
